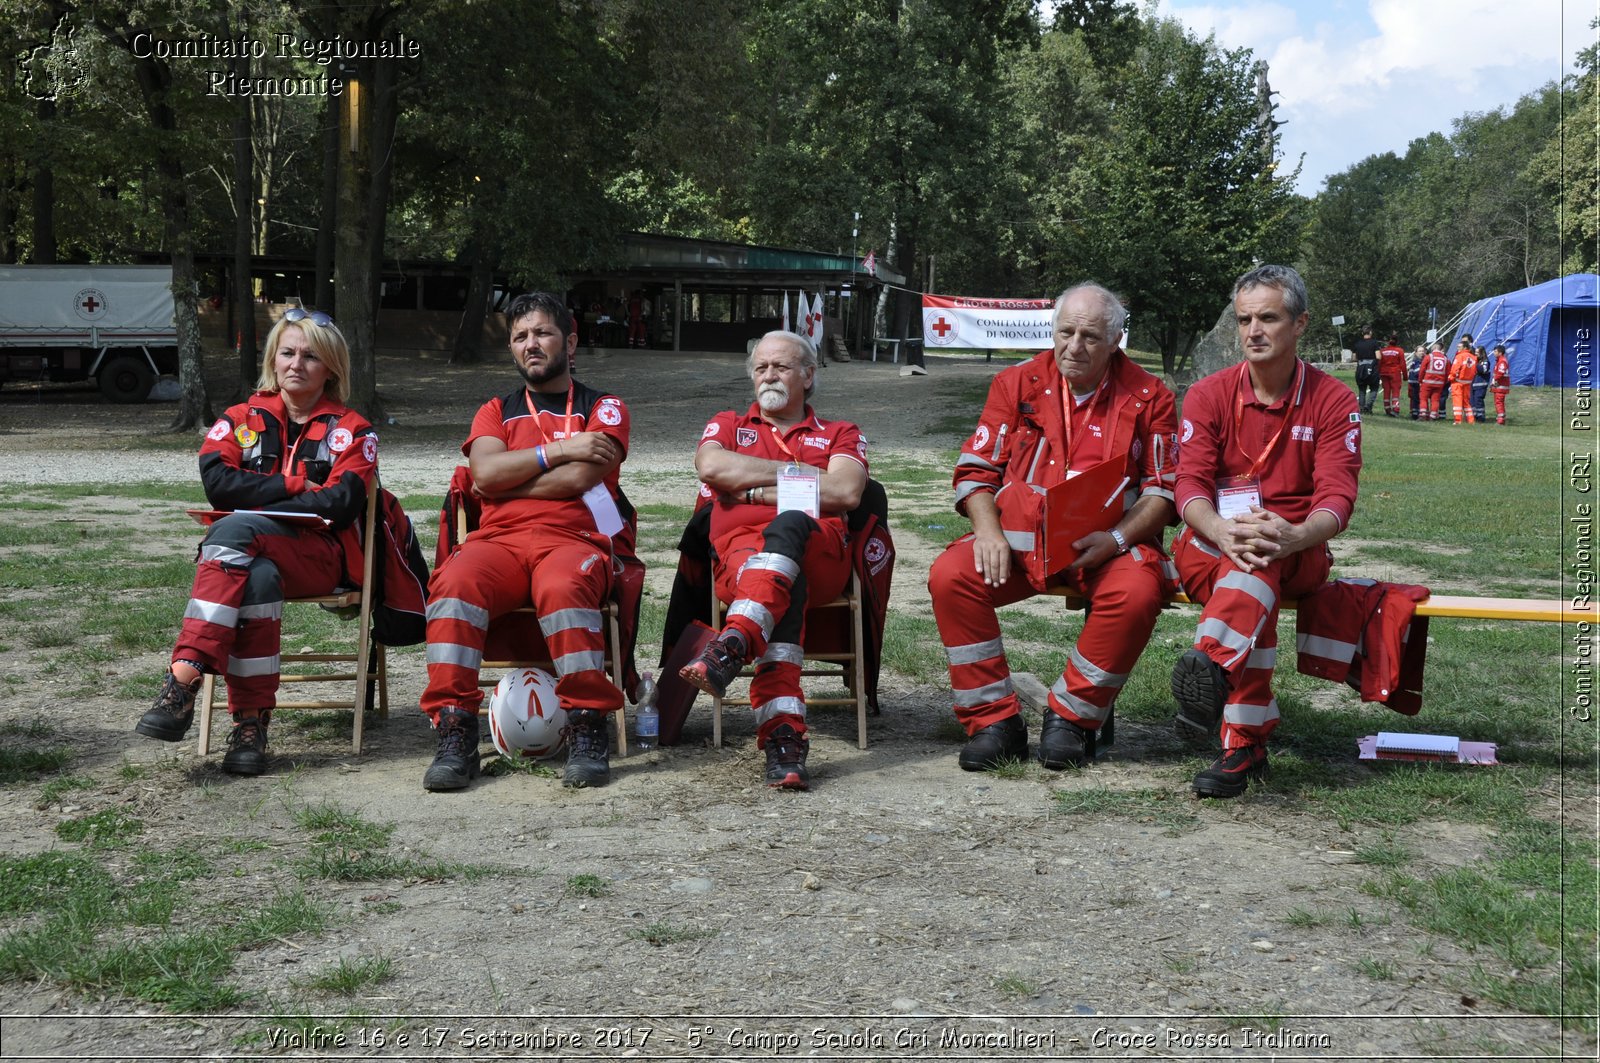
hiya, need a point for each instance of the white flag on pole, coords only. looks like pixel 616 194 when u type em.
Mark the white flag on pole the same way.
pixel 816 321
pixel 802 316
pixel 786 327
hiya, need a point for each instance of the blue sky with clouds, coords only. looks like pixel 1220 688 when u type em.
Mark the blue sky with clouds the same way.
pixel 1359 77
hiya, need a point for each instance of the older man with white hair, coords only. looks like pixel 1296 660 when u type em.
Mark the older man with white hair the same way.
pixel 780 479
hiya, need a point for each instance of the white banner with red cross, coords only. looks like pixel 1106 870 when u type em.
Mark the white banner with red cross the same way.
pixel 987 324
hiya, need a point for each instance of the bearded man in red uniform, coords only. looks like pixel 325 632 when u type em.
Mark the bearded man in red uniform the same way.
pixel 772 554
pixel 1047 420
pixel 1271 452
pixel 1392 372
pixel 544 459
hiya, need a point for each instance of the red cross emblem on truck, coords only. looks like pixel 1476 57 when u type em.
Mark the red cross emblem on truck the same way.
pixel 91 304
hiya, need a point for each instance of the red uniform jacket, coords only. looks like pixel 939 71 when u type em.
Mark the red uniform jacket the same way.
pixel 1392 362
pixel 1464 368
pixel 1365 633
pixel 1435 368
pixel 1016 451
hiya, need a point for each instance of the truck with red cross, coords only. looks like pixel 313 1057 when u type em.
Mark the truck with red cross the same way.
pixel 109 324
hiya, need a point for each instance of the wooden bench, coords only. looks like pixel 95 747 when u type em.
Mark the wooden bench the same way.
pixel 1536 610
pixel 1459 607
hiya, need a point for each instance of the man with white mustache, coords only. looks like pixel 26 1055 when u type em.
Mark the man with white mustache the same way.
pixel 770 557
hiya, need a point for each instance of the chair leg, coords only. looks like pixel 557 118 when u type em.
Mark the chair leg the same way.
pixel 208 690
pixel 716 722
pixel 383 680
pixel 858 685
pixel 358 703
pixel 614 632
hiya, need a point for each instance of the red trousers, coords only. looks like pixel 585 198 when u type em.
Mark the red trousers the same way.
pixel 1500 403
pixel 1239 625
pixel 1125 597
pixel 1429 404
pixel 767 575
pixel 248 565
pixel 1391 394
pixel 564 576
pixel 1461 401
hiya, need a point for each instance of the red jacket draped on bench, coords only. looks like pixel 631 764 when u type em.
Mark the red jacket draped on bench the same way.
pixel 1366 634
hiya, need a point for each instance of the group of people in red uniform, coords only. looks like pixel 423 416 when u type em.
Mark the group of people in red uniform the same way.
pixel 1261 469
pixel 1464 375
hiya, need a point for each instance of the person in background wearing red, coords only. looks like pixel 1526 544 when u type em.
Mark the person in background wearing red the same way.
pixel 1435 374
pixel 1500 382
pixel 1462 369
pixel 1392 372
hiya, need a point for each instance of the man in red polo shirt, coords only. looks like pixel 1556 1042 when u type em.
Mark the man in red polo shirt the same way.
pixel 1048 420
pixel 544 459
pixel 1271 451
pixel 781 479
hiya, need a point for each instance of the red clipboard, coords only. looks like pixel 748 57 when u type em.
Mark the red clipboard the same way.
pixel 1089 502
pixel 209 517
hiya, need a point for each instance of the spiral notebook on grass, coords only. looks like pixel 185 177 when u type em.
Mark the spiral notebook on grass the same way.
pixel 1442 749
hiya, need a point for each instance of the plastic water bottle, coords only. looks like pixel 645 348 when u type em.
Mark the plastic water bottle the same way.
pixel 646 720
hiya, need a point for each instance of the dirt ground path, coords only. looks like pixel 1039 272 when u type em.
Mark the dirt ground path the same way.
pixel 902 909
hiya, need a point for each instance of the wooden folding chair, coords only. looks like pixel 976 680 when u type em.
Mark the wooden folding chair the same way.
pixel 613 656
pixel 852 662
pixel 371 664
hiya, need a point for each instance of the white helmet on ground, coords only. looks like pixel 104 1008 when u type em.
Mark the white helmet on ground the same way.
pixel 525 718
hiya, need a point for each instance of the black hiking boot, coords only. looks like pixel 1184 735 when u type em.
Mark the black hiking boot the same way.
pixel 588 749
pixel 170 717
pixel 786 759
pixel 1063 744
pixel 717 665
pixel 1232 772
pixel 991 746
pixel 456 763
pixel 1200 687
pixel 247 747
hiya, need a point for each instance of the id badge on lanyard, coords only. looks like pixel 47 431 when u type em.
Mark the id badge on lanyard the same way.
pixel 799 487
pixel 1236 494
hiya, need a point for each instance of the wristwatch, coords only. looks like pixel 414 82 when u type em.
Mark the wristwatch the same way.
pixel 1122 544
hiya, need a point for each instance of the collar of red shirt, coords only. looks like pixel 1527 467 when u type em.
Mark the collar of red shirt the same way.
pixel 808 421
pixel 1294 396
pixel 273 401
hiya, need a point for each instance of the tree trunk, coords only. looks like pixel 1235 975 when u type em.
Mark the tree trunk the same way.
pixel 479 287
pixel 243 294
pixel 155 81
pixel 366 125
pixel 44 197
pixel 330 206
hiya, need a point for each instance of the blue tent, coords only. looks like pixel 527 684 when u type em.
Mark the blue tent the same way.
pixel 1548 329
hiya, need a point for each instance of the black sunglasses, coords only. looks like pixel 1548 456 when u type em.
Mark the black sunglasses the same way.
pixel 318 318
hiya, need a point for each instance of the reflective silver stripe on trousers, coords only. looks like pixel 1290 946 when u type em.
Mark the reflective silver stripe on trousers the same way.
pixel 973 652
pixel 1254 586
pixel 263 611
pixel 211 613
pixel 1158 492
pixel 1083 710
pixel 1263 658
pixel 567 619
pixel 780 707
pixel 456 609
pixel 1224 634
pixel 1204 547
pixel 1021 542
pixel 971 699
pixel 973 459
pixel 581 661
pixel 753 611
pixel 245 666
pixel 770 562
pixel 1332 649
pixel 782 653
pixel 1250 715
pixel 1094 673
pixel 452 653
pixel 224 555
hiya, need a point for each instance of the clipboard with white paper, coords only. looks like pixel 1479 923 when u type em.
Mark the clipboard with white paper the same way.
pixel 1091 501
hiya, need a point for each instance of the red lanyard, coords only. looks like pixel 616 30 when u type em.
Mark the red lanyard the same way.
pixel 1069 408
pixel 1258 463
pixel 566 423
pixel 777 438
